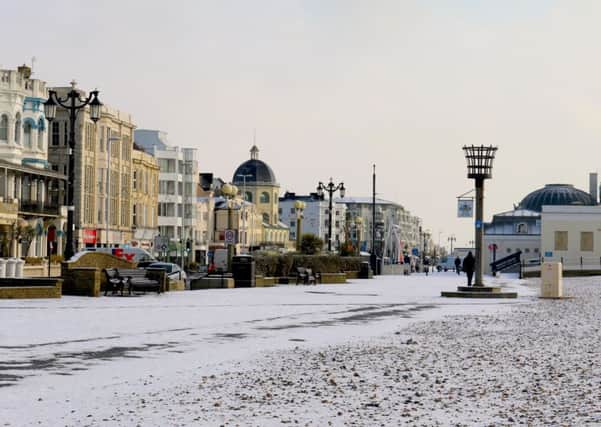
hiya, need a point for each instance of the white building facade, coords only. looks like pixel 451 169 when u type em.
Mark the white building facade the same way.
pixel 572 235
pixel 31 194
pixel 178 182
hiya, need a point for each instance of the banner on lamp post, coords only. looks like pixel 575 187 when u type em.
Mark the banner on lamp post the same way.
pixel 465 208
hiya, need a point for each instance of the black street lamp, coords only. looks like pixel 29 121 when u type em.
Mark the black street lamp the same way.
pixel 72 103
pixel 479 167
pixel 330 188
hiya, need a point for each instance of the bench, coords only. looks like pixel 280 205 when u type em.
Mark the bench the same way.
pixel 113 281
pixel 137 280
pixel 306 276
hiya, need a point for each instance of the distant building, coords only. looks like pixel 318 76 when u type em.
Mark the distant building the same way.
pixel 145 196
pixel 257 184
pixel 315 217
pixel 178 182
pixel 397 231
pixel 521 229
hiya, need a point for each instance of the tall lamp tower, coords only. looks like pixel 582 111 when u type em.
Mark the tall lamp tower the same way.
pixel 479 168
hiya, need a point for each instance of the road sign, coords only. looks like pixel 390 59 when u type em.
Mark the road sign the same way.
pixel 230 237
pixel 415 251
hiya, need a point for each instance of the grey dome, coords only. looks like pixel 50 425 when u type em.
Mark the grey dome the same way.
pixel 556 194
pixel 255 171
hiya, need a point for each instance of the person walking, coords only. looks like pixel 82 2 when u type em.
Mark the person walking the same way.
pixel 469 263
pixel 458 265
pixel 426 265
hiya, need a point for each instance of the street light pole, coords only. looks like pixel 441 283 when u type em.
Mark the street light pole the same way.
pixel 331 188
pixel 479 168
pixel 452 239
pixel 229 191
pixel 72 103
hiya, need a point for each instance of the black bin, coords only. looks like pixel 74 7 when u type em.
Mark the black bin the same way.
pixel 364 270
pixel 243 270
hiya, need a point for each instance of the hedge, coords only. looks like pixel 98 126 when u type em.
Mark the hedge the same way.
pixel 284 265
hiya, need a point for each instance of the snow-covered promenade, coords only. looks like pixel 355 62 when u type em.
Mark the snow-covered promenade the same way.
pixel 381 352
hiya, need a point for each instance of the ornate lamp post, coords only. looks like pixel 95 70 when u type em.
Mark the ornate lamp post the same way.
pixel 299 207
pixel 479 167
pixel 72 103
pixel 330 188
pixel 229 192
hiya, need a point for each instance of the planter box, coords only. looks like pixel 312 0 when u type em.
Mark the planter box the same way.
pixel 264 282
pixel 212 283
pixel 332 278
pixel 352 274
pixel 26 288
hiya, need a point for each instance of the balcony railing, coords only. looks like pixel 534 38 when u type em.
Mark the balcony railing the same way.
pixel 38 208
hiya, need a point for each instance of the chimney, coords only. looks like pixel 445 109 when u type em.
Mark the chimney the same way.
pixel 593 185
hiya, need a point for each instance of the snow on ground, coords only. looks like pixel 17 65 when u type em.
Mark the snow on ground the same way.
pixel 300 354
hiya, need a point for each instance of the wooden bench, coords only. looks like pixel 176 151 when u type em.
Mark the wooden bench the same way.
pixel 137 280
pixel 306 276
pixel 113 281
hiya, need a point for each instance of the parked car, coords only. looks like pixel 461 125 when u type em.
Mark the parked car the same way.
pixel 173 270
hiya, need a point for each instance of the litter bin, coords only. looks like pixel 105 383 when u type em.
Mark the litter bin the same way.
pixel 378 266
pixel 19 263
pixel 2 267
pixel 10 267
pixel 243 270
pixel 364 270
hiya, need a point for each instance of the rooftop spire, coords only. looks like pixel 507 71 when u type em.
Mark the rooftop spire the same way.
pixel 254 153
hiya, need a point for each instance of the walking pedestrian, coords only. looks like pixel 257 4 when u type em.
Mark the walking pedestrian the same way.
pixel 458 265
pixel 469 263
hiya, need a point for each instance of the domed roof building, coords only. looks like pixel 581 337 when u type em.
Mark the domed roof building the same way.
pixel 257 184
pixel 556 194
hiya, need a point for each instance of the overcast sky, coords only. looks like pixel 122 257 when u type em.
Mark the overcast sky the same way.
pixel 332 87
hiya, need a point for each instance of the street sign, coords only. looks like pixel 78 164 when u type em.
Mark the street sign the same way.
pixel 415 251
pixel 230 237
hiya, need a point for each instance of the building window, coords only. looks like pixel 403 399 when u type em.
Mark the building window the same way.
pixel 135 180
pixel 249 197
pixel 264 197
pixel 27 135
pixel 4 128
pixel 266 218
pixel 56 133
pixel 41 129
pixel 561 240
pixel 522 228
pixel 134 219
pixel 292 210
pixel 18 129
pixel 535 250
pixel 586 241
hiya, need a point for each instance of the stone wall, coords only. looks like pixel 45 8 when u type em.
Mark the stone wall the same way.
pixel 25 288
